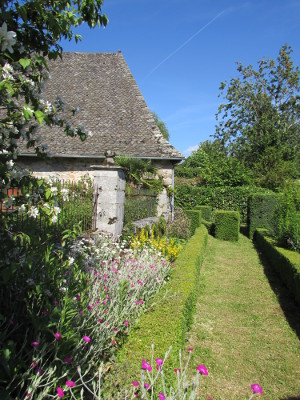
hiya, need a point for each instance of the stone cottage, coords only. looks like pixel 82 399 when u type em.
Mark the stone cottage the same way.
pixel 112 111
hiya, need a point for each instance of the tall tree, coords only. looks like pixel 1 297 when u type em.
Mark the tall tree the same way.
pixel 162 126
pixel 259 120
pixel 213 167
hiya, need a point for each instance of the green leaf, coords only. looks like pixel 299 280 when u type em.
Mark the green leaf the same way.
pixel 25 62
pixel 40 116
pixel 27 112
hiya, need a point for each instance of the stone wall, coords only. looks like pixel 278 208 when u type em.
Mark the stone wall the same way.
pixel 73 169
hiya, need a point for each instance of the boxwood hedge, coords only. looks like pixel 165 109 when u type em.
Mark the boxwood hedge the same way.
pixel 169 318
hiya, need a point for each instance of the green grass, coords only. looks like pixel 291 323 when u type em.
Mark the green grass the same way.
pixel 241 330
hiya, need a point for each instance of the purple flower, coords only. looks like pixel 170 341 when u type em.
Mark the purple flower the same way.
pixel 202 369
pixel 161 396
pixel 159 361
pixel 57 336
pixel 135 383
pixel 70 384
pixel 68 360
pixel 126 323
pixel 177 370
pixel 78 297
pixel 256 388
pixel 60 392
pixel 35 344
pixel 146 366
pixel 146 386
pixel 86 339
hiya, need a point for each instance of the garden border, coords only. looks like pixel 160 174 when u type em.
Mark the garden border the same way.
pixel 170 316
pixel 285 262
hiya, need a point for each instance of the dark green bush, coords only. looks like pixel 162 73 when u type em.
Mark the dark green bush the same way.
pixel 287 214
pixel 222 198
pixel 166 323
pixel 227 225
pixel 195 219
pixel 261 212
pixel 285 262
pixel 206 212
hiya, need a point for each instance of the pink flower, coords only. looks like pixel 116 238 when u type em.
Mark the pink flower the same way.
pixel 70 383
pixel 126 323
pixel 177 370
pixel 60 392
pixel 100 320
pixel 190 349
pixel 113 342
pixel 78 297
pixel 159 361
pixel 137 303
pixel 146 386
pixel 202 369
pixel 146 366
pixel 35 344
pixel 141 301
pixel 68 360
pixel 161 396
pixel 57 336
pixel 135 383
pixel 86 339
pixel 256 388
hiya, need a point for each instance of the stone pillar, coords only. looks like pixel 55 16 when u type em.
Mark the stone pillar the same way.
pixel 109 194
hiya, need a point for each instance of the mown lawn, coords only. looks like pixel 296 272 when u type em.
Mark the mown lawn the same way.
pixel 246 328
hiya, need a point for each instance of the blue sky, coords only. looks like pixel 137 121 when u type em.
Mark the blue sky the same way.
pixel 179 51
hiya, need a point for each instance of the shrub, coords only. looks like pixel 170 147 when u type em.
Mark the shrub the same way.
pixel 227 225
pixel 206 212
pixel 195 219
pixel 287 214
pixel 262 212
pixel 181 226
pixel 285 262
pixel 219 198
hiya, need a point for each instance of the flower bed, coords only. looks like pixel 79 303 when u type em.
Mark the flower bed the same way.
pixel 170 316
pixel 102 289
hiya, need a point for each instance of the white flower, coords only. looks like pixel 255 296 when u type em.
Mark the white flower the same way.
pixel 7 39
pixel 56 210
pixel 53 190
pixel 3 151
pixel 54 219
pixel 22 209
pixel 10 163
pixel 33 212
pixel 7 72
pixel 71 260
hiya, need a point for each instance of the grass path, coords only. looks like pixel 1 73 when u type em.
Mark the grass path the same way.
pixel 240 331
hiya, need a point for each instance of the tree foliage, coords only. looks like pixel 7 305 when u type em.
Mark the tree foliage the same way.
pixel 212 166
pixel 259 120
pixel 162 126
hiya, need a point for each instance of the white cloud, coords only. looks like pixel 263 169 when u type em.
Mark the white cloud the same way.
pixel 190 149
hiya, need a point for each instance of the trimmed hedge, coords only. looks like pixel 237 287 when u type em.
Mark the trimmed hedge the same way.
pixel 227 225
pixel 285 262
pixel 262 212
pixel 206 212
pixel 195 219
pixel 166 323
pixel 219 198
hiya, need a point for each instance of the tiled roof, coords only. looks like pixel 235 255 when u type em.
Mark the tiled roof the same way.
pixel 111 107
